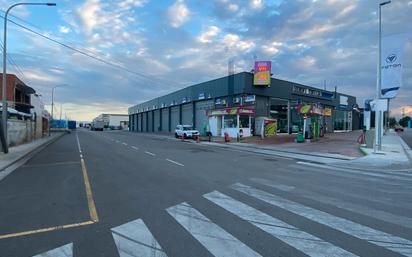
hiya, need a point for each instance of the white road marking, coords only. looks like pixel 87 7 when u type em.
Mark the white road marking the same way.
pixel 175 162
pixel 135 148
pixel 358 172
pixel 361 209
pixel 304 242
pixel 81 156
pixel 215 239
pixel 373 236
pixel 78 143
pixel 135 239
pixel 273 184
pixel 62 251
pixel 149 153
pixel 124 144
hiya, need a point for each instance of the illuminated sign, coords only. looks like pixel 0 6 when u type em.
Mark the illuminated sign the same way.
pixel 262 73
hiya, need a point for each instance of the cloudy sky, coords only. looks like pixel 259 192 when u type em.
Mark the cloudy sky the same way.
pixel 170 44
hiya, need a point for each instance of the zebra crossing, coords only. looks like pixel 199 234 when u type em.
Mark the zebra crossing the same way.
pixel 135 238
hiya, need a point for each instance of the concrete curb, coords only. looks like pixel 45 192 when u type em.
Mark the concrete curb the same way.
pixel 32 151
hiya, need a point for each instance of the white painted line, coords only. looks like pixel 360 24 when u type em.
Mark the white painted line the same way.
pixel 361 209
pixel 373 236
pixel 149 153
pixel 215 239
pixel 135 148
pixel 78 143
pixel 62 251
pixel 358 172
pixel 273 184
pixel 135 239
pixel 81 156
pixel 304 242
pixel 117 141
pixel 175 162
pixel 124 144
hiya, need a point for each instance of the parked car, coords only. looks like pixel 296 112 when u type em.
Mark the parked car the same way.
pixel 186 131
pixel 398 128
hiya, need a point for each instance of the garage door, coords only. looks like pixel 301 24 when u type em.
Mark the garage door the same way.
pixel 139 122
pixel 201 114
pixel 150 122
pixel 156 118
pixel 174 117
pixel 165 120
pixel 144 129
pixel 187 114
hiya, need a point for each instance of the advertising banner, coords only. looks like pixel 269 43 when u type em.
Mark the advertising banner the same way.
pixel 391 64
pixel 262 73
pixel 270 126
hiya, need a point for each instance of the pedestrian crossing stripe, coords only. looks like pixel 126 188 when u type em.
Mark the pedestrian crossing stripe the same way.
pixel 215 239
pixel 62 251
pixel 356 208
pixel 306 243
pixel 134 239
pixel 373 236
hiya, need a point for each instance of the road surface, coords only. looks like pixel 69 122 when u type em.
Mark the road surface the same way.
pixel 128 194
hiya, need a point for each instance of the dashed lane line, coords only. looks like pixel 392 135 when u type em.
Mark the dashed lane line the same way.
pixel 149 153
pixel 135 148
pixel 175 162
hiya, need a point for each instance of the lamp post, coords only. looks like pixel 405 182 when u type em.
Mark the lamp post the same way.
pixel 4 85
pixel 52 104
pixel 378 113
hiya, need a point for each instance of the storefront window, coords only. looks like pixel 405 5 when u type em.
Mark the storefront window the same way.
pixel 243 121
pixel 230 121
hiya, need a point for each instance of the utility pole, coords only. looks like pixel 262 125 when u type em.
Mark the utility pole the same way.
pixel 4 115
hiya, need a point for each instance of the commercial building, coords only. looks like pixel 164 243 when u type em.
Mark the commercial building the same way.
pixel 114 121
pixel 233 103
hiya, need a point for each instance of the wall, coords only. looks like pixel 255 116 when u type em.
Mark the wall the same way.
pixel 20 131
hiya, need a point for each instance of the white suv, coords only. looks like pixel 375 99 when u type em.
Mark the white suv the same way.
pixel 185 131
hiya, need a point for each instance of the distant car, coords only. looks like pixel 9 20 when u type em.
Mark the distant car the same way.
pixel 186 131
pixel 398 128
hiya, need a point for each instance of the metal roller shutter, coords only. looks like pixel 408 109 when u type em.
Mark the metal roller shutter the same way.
pixel 174 117
pixel 156 117
pixel 139 122
pixel 144 129
pixel 165 120
pixel 150 122
pixel 201 114
pixel 187 114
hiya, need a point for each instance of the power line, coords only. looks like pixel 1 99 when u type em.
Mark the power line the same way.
pixel 115 65
pixel 12 62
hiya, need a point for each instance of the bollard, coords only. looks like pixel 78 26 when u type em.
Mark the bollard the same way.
pixel 198 139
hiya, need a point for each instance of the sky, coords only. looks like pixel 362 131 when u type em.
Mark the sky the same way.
pixel 170 44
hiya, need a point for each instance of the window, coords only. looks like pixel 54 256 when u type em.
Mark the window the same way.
pixel 243 121
pixel 230 121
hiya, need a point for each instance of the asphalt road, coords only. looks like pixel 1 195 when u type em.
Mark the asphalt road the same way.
pixel 127 194
pixel 407 137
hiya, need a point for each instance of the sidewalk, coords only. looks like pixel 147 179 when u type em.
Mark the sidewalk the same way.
pixel 395 156
pixel 20 152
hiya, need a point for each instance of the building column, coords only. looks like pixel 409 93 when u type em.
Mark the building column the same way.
pixel 160 121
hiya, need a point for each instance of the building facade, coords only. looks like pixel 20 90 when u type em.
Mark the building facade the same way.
pixel 234 102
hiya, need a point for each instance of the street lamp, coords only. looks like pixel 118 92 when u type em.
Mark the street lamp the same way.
pixel 378 114
pixel 4 85
pixel 52 104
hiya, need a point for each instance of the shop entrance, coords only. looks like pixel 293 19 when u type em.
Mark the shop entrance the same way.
pixel 279 111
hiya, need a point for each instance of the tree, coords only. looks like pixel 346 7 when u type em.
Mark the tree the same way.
pixel 404 121
pixel 392 122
